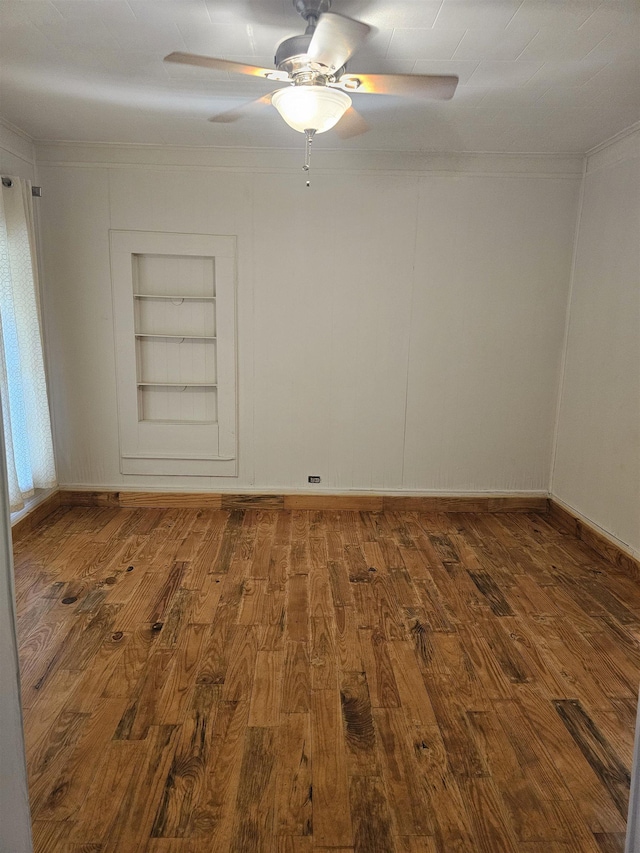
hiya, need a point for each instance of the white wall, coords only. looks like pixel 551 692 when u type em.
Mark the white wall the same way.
pixel 597 465
pixel 16 158
pixel 400 322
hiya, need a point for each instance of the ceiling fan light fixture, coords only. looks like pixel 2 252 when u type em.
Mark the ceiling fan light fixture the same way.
pixel 313 107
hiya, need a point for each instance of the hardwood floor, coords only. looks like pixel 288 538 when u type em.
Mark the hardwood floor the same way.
pixel 267 681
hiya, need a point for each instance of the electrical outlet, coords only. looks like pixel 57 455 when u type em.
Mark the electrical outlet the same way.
pixel 314 479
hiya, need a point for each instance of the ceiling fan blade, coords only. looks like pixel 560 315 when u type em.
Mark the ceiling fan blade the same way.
pixel 434 86
pixel 351 124
pixel 242 111
pixel 226 65
pixel 335 39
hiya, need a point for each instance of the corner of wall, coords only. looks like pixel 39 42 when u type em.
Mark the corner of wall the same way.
pixel 618 147
pixel 622 147
pixel 567 320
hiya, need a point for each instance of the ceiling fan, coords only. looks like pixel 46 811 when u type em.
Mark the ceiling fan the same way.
pixel 312 67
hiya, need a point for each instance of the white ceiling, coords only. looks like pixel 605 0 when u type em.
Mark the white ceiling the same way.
pixel 535 75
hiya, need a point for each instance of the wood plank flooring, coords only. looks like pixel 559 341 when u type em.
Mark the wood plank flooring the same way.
pixel 260 681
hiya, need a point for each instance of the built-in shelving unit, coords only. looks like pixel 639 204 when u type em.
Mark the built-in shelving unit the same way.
pixel 176 351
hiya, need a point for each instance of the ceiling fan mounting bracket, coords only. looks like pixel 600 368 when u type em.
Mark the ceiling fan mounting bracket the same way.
pixel 311 10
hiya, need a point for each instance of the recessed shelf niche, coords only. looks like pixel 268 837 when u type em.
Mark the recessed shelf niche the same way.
pixel 175 326
pixel 174 305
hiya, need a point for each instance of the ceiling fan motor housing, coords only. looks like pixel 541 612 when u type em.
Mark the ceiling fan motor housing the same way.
pixel 291 56
pixel 291 52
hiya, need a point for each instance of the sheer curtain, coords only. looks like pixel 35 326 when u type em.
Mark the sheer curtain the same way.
pixel 23 390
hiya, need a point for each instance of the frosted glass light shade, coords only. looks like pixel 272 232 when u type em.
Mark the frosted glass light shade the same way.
pixel 311 107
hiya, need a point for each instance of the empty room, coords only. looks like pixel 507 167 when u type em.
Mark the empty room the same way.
pixel 320 436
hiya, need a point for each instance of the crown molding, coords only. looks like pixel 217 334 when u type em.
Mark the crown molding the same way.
pixel 624 145
pixel 611 140
pixel 14 140
pixel 8 125
pixel 290 160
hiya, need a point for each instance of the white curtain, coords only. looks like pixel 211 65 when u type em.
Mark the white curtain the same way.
pixel 23 390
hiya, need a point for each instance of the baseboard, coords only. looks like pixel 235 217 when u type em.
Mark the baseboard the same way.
pixel 24 525
pixel 486 502
pixel 563 518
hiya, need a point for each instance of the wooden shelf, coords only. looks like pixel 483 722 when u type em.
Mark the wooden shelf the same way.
pixel 181 423
pixel 177 385
pixel 178 337
pixel 174 298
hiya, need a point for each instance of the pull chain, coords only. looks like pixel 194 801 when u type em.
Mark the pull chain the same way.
pixel 308 136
